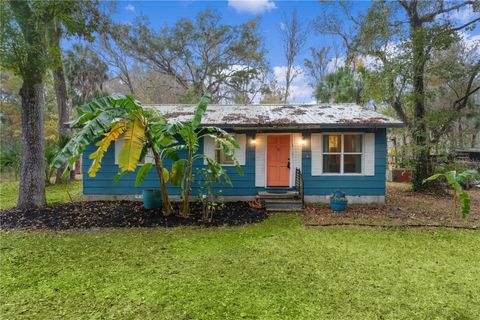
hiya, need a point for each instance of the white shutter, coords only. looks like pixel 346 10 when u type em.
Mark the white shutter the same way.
pixel 296 161
pixel 149 157
pixel 240 153
pixel 316 154
pixel 208 148
pixel 369 154
pixel 260 148
pixel 118 146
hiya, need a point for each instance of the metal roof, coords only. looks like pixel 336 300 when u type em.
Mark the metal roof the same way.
pixel 293 116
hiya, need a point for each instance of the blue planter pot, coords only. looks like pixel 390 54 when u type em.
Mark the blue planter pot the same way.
pixel 152 198
pixel 339 194
pixel 336 204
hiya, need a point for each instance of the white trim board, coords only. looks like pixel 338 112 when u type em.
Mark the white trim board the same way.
pixel 139 197
pixel 351 199
pixel 175 198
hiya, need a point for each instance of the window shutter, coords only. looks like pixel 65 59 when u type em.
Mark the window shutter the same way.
pixel 240 153
pixel 149 157
pixel 118 146
pixel 369 154
pixel 316 154
pixel 208 148
pixel 260 146
pixel 296 161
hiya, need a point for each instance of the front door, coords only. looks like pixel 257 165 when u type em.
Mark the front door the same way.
pixel 278 161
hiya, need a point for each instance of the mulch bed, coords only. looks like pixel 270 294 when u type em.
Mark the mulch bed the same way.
pixel 117 214
pixel 402 208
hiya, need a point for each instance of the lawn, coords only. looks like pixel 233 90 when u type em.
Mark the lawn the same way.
pixel 278 269
pixel 54 193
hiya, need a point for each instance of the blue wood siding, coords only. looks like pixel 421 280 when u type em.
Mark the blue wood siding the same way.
pixel 103 182
pixel 244 185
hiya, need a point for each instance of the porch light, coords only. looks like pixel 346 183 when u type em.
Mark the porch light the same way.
pixel 303 141
pixel 253 141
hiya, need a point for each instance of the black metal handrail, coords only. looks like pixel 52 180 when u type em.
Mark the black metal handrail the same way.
pixel 299 185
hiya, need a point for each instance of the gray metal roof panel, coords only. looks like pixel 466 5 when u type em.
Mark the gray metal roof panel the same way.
pixel 328 115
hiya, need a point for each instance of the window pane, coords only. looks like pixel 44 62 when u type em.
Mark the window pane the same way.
pixel 218 155
pixel 352 143
pixel 221 157
pixel 352 163
pixel 224 159
pixel 332 143
pixel 331 163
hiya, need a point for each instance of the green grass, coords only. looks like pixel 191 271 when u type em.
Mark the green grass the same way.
pixel 54 193
pixel 278 269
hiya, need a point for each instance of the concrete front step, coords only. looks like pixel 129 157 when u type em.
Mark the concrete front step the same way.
pixel 283 205
pixel 278 195
pixel 284 210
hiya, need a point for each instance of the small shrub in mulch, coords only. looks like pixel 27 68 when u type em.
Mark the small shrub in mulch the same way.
pixel 117 214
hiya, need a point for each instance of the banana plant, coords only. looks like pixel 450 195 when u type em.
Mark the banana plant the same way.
pixel 455 182
pixel 111 118
pixel 191 133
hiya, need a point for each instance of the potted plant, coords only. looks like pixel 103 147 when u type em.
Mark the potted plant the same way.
pixel 338 201
pixel 152 198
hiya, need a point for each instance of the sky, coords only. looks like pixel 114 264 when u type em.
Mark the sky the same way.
pixel 271 14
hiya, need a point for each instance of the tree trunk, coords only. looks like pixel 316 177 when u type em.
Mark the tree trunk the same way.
pixel 186 196
pixel 287 83
pixel 61 96
pixel 419 132
pixel 167 206
pixel 32 171
pixel 62 108
pixel 62 100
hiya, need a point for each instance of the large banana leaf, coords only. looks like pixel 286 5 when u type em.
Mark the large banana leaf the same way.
pixel 88 134
pixel 434 177
pixel 171 152
pixel 121 105
pixel 134 137
pixel 200 110
pixel 142 173
pixel 189 135
pixel 464 203
pixel 222 134
pixel 178 172
pixel 103 145
pixel 465 175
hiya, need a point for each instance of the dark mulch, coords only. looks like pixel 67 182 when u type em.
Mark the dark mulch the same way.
pixel 116 214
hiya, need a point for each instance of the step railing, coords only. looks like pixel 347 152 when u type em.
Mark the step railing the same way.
pixel 299 185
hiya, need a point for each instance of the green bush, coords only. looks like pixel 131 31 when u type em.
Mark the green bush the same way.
pixel 10 158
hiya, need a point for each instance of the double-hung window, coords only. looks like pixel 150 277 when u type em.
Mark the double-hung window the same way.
pixel 220 155
pixel 342 153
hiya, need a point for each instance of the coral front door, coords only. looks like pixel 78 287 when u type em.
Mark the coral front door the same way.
pixel 278 161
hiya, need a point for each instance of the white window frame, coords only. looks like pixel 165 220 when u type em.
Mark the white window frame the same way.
pixel 342 153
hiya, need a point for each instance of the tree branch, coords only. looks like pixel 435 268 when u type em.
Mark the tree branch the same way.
pixel 431 16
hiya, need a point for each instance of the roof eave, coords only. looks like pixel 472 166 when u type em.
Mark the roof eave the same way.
pixel 245 126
